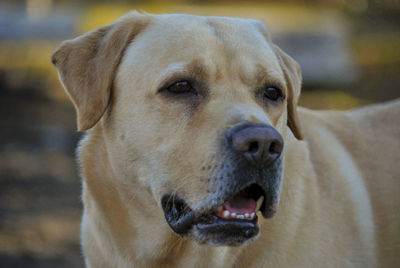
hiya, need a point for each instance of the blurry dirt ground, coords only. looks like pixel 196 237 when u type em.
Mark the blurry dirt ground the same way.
pixel 40 206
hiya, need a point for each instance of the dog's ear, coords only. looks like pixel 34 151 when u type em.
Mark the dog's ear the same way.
pixel 292 72
pixel 87 64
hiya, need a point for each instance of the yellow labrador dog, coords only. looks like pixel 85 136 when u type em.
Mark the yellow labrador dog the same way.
pixel 196 154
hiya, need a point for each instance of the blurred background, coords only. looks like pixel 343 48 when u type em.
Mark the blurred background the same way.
pixel 349 51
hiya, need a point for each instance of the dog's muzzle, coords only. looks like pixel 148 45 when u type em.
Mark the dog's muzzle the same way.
pixel 251 185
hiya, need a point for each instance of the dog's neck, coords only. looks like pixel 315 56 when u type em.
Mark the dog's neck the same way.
pixel 112 231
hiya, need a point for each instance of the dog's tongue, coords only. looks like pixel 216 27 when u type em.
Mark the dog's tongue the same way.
pixel 241 205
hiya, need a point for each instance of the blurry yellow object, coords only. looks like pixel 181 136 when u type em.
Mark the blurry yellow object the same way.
pixel 377 48
pixel 33 54
pixel 37 9
pixel 287 17
pixel 29 62
pixel 330 100
pixel 101 14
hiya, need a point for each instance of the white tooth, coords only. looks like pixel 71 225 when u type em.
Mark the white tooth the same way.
pixel 226 214
pixel 252 215
pixel 246 215
pixel 259 202
pixel 241 217
pixel 233 214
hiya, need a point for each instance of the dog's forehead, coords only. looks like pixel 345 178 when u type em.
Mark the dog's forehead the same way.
pixel 219 44
pixel 220 26
pixel 202 31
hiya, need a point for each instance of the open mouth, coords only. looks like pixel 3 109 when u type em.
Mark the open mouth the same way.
pixel 231 223
pixel 244 205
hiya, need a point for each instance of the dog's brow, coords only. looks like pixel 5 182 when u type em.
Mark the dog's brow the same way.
pixel 194 69
pixel 197 69
pixel 261 73
pixel 257 76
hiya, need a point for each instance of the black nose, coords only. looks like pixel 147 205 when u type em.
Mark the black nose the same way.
pixel 261 145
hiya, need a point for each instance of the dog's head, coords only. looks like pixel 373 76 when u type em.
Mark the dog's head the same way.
pixel 194 110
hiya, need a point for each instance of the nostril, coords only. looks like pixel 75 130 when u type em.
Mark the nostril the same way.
pixel 253 147
pixel 275 147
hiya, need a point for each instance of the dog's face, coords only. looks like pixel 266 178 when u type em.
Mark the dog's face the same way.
pixel 195 112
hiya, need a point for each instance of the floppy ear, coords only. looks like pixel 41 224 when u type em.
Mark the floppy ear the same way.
pixel 87 64
pixel 292 72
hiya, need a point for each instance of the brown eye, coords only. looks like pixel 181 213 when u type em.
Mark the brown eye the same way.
pixel 271 93
pixel 180 87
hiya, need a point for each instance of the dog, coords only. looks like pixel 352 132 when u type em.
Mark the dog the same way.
pixel 196 154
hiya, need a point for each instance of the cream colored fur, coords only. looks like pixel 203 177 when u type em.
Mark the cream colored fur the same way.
pixel 340 201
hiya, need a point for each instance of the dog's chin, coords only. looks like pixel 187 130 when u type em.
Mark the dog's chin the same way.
pixel 222 225
pixel 222 232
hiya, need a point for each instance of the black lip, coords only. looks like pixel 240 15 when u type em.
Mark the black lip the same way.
pixel 177 214
pixel 182 219
pixel 229 228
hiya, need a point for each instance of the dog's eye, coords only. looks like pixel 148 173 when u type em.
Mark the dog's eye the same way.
pixel 180 87
pixel 271 93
